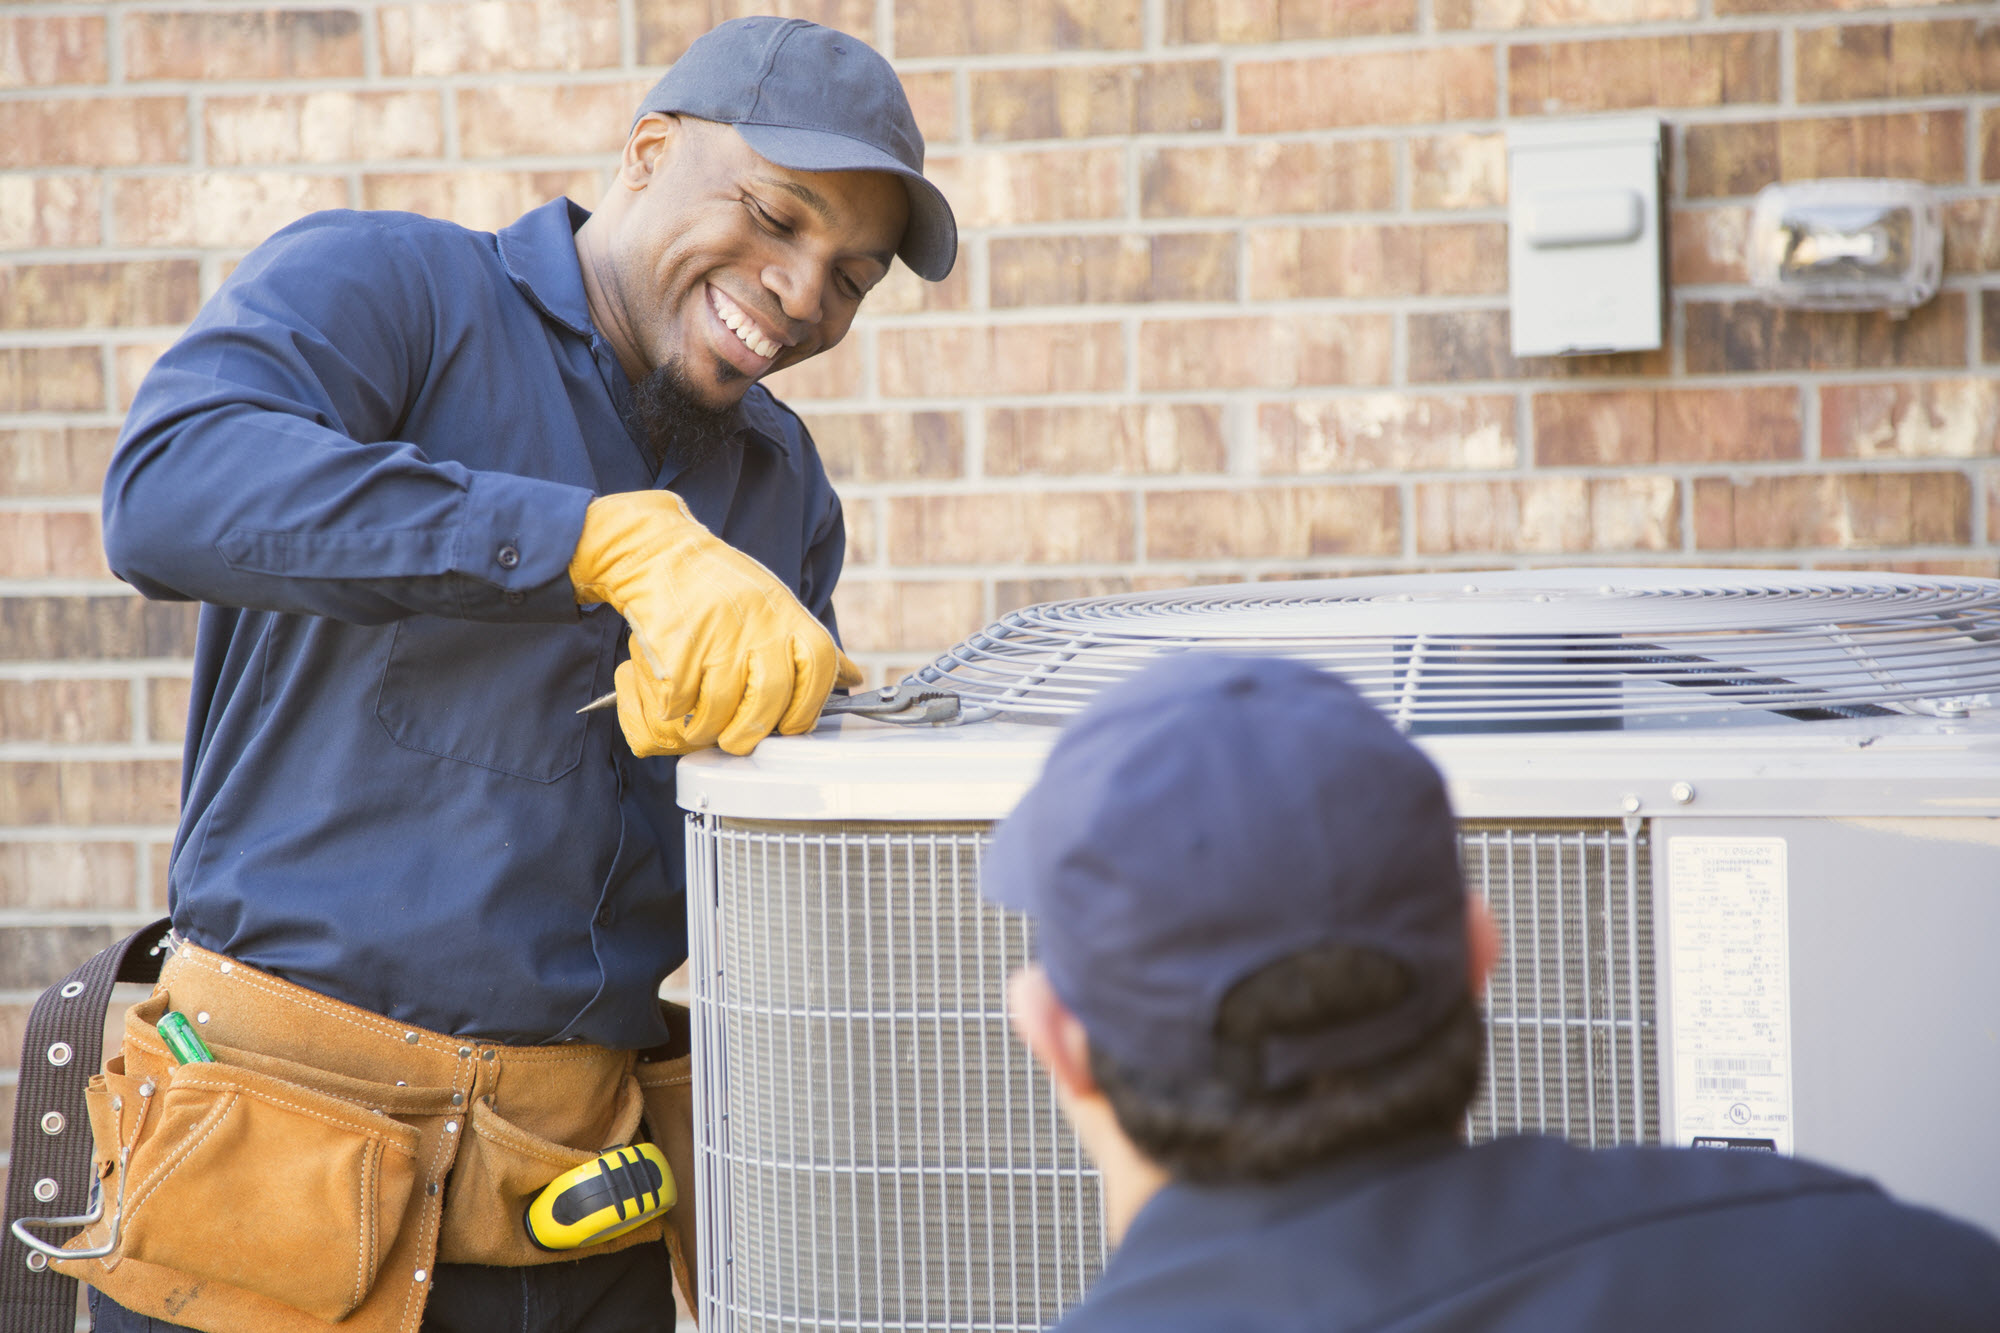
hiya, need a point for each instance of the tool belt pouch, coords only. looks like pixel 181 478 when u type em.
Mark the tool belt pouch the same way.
pixel 668 1085
pixel 506 1166
pixel 241 1175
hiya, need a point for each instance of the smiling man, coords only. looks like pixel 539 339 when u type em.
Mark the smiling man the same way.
pixel 436 490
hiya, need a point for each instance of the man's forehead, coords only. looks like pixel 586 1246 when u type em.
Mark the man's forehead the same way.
pixel 821 192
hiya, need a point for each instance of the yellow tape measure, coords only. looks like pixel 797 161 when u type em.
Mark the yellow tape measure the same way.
pixel 618 1190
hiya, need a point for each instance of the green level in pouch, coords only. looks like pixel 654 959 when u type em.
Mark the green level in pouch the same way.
pixel 615 1192
pixel 183 1040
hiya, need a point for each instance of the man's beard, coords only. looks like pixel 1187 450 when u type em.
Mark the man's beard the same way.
pixel 674 424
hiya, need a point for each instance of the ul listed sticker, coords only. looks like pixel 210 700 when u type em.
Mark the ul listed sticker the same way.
pixel 1731 970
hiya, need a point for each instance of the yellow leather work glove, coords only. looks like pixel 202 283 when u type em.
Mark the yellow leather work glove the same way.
pixel 721 651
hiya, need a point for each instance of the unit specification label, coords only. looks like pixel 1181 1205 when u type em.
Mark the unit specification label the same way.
pixel 1731 993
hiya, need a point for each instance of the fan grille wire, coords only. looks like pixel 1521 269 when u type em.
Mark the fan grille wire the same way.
pixel 1515 647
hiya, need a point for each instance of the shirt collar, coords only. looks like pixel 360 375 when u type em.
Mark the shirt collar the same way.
pixel 1184 1212
pixel 539 251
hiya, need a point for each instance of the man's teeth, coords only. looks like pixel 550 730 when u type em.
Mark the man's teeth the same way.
pixel 743 327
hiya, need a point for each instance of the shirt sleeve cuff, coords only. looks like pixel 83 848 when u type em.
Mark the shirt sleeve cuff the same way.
pixel 515 544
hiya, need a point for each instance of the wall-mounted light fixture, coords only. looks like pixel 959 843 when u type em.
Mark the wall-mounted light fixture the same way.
pixel 1846 245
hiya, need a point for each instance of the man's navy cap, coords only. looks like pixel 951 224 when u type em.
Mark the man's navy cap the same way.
pixel 1215 814
pixel 812 99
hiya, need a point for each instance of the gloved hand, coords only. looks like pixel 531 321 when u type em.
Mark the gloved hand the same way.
pixel 721 651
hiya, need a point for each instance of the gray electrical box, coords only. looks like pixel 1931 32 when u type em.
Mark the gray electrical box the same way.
pixel 1583 236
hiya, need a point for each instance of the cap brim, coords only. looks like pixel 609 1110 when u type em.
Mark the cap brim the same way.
pixel 930 240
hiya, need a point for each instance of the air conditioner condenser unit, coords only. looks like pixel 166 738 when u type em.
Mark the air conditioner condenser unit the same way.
pixel 1740 831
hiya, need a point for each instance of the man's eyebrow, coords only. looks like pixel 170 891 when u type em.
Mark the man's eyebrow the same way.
pixel 805 194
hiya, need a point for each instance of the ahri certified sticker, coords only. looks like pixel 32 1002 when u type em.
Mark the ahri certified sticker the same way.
pixel 1731 973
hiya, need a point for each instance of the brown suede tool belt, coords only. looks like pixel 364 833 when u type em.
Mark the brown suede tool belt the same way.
pixel 330 1157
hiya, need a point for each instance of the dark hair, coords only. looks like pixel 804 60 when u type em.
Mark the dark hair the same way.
pixel 1225 1126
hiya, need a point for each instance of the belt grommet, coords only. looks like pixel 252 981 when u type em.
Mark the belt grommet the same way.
pixel 60 1054
pixel 421 1275
pixel 72 989
pixel 451 1127
pixel 37 1261
pixel 47 1189
pixel 53 1123
pixel 227 968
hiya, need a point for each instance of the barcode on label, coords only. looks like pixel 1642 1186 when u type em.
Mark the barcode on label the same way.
pixel 1722 1084
pixel 1732 1064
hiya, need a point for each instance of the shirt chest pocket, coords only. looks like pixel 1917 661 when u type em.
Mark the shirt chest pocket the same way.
pixel 503 697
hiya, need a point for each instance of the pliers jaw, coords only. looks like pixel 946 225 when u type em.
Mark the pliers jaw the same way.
pixel 903 703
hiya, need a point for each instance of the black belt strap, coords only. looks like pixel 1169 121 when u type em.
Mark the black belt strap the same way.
pixel 63 1047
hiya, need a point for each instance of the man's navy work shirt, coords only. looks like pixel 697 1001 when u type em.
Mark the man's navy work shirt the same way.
pixel 370 456
pixel 1531 1235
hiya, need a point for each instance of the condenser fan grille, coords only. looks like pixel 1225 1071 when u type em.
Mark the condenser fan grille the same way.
pixel 876 1151
pixel 1561 647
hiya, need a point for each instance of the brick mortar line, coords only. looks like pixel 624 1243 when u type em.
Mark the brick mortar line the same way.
pixel 1419 39
pixel 1736 113
pixel 67 256
pixel 1041 483
pixel 351 84
pixel 1218 224
pixel 628 34
pixel 87 752
pixel 50 504
pixel 1212 566
pixel 65 588
pixel 44 420
pixel 90 833
pixel 1605 380
pixel 1422 36
pixel 1425 390
pixel 58 670
pixel 141 709
pixel 15 918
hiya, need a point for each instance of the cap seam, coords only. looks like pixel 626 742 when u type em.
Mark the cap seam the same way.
pixel 785 30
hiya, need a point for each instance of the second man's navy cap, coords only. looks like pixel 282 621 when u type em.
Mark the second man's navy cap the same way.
pixel 1212 815
pixel 812 99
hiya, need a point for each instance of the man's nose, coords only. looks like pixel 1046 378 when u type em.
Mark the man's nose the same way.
pixel 799 287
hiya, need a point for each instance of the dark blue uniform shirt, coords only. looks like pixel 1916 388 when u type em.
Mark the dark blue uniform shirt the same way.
pixel 1530 1235
pixel 370 456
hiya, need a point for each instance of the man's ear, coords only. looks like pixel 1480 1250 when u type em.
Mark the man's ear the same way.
pixel 1052 1034
pixel 645 147
pixel 1482 944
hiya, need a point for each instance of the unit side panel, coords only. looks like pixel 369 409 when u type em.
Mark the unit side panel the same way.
pixel 1893 1002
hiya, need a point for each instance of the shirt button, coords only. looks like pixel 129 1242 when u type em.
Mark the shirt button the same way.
pixel 508 557
pixel 516 598
pixel 603 916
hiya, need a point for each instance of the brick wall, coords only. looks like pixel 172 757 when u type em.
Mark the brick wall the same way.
pixel 1231 304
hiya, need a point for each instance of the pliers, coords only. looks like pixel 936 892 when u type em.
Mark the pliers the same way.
pixel 903 703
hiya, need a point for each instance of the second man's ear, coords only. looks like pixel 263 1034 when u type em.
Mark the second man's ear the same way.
pixel 1052 1034
pixel 1482 943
